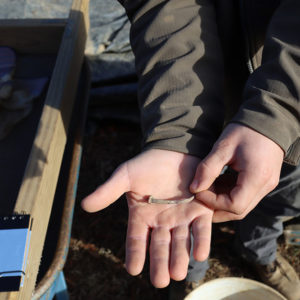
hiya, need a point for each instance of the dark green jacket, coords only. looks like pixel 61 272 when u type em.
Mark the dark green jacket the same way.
pixel 191 57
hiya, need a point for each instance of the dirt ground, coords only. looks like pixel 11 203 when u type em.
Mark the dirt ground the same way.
pixel 95 265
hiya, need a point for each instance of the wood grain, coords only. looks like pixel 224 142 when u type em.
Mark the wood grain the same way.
pixel 39 183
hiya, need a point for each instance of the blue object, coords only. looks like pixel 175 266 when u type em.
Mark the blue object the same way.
pixel 14 240
pixel 58 289
pixel 292 234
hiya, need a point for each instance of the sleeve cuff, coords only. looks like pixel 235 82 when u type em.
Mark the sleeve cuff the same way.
pixel 184 143
pixel 268 120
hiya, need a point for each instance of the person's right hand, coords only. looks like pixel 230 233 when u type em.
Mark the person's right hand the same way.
pixel 257 161
pixel 164 175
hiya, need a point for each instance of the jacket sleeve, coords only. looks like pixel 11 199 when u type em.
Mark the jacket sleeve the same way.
pixel 271 102
pixel 179 64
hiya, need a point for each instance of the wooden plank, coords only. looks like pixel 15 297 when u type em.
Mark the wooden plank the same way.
pixel 13 161
pixel 32 35
pixel 40 179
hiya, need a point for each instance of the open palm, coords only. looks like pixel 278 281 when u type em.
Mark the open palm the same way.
pixel 165 175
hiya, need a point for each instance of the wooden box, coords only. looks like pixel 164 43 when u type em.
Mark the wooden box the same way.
pixel 31 156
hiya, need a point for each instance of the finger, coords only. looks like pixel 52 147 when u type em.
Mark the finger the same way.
pixel 201 229
pixel 136 246
pixel 180 252
pixel 253 183
pixel 210 168
pixel 239 198
pixel 215 201
pixel 159 257
pixel 108 192
pixel 223 216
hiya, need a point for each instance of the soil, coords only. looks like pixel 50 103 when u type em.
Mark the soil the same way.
pixel 95 264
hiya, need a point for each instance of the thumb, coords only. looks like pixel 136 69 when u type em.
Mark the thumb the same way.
pixel 210 168
pixel 108 192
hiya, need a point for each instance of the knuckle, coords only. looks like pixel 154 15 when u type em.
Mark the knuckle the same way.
pixel 273 182
pixel 206 169
pixel 269 178
pixel 238 208
pixel 238 217
pixel 223 144
pixel 265 174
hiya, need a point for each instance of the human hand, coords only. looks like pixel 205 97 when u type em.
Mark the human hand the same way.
pixel 165 175
pixel 257 161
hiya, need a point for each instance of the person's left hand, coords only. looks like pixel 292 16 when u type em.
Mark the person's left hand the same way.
pixel 165 175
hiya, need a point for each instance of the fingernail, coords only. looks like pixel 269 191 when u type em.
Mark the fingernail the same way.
pixel 194 184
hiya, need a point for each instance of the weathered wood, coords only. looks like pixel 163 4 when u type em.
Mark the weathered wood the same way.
pixel 39 183
pixel 32 35
pixel 74 146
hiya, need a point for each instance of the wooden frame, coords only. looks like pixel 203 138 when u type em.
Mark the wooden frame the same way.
pixel 67 39
pixel 32 35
